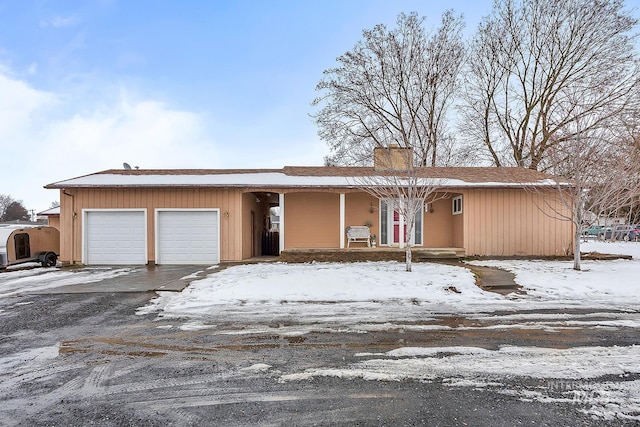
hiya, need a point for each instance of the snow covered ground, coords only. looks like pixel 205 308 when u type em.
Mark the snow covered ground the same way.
pixel 365 297
pixel 439 288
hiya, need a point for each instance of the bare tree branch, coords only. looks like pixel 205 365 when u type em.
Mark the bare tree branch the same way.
pixel 405 187
pixel 603 167
pixel 524 59
pixel 393 87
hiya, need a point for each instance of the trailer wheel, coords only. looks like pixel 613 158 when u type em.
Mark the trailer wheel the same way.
pixel 50 260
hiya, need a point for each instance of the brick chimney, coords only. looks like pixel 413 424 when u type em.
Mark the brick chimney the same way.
pixel 392 157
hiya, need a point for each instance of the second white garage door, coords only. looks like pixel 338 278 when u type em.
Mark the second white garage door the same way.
pixel 187 237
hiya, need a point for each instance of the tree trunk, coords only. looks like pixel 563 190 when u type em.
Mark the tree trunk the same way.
pixel 576 249
pixel 407 257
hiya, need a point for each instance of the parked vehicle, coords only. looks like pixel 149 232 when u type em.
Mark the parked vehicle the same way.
pixel 20 244
pixel 623 232
pixel 595 231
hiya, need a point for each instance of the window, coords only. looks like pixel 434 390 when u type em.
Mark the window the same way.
pixel 384 223
pixel 417 234
pixel 22 246
pixel 457 205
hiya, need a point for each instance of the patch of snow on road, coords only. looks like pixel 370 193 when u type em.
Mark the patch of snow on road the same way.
pixel 258 367
pixel 533 362
pixel 23 361
pixel 609 400
pixel 570 374
pixel 25 281
pixel 192 275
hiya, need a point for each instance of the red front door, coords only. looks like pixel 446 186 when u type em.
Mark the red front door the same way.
pixel 396 227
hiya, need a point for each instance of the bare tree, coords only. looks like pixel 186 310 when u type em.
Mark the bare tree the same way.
pixel 615 189
pixel 526 55
pixel 393 87
pixel 588 181
pixel 406 188
pixel 5 201
pixel 16 212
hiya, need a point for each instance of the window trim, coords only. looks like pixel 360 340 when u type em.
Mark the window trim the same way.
pixel 456 205
pixel 387 235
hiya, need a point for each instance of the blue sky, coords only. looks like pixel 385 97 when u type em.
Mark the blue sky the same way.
pixel 87 85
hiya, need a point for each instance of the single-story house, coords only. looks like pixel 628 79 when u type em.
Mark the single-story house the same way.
pixel 199 216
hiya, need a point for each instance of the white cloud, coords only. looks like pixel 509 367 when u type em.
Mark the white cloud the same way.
pixel 33 69
pixel 89 126
pixel 142 132
pixel 44 138
pixel 60 21
pixel 18 105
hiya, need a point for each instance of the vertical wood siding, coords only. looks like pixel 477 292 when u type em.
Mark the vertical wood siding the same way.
pixel 229 202
pixel 507 222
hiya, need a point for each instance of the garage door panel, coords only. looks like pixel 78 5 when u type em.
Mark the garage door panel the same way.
pixel 187 237
pixel 115 237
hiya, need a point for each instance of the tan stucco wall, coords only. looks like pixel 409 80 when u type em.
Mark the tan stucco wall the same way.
pixel 228 201
pixel 438 225
pixel 358 212
pixel 312 220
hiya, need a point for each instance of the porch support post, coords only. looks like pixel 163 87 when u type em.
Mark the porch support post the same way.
pixel 342 229
pixel 281 230
pixel 401 241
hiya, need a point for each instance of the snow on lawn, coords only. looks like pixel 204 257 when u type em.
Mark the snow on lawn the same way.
pixel 441 288
pixel 613 283
pixel 349 284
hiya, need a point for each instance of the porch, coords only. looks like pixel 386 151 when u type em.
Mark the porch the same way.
pixel 369 254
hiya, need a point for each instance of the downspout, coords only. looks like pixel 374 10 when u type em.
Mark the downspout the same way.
pixel 281 230
pixel 73 225
pixel 342 220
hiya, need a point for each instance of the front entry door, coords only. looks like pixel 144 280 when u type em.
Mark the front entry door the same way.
pixel 393 225
pixel 397 227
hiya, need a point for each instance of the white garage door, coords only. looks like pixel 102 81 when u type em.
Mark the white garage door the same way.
pixel 115 237
pixel 187 237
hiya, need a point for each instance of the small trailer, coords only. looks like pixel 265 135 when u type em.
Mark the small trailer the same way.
pixel 22 243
